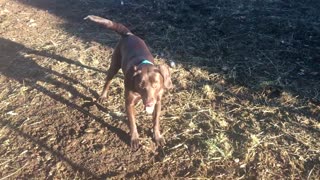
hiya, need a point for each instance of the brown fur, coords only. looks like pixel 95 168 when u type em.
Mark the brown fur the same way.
pixel 142 81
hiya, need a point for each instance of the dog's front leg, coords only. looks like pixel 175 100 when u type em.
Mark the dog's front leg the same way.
pixel 156 124
pixel 130 102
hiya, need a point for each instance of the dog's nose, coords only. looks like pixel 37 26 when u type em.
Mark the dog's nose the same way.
pixel 149 104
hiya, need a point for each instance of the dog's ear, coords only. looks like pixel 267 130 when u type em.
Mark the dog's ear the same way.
pixel 164 71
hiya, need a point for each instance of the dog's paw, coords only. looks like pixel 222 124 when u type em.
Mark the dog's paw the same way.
pixel 135 144
pixel 160 141
pixel 101 99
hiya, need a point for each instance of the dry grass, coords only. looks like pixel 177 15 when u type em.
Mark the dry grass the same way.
pixel 245 103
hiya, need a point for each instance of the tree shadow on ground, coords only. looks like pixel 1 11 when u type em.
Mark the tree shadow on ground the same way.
pixel 15 65
pixel 256 44
pixel 259 45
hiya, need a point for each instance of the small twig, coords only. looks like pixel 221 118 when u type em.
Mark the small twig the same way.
pixel 177 146
pixel 310 173
pixel 5 162
pixel 14 172
pixel 274 137
pixel 35 123
pixel 203 110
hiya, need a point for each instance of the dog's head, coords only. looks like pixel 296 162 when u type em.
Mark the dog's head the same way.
pixel 150 81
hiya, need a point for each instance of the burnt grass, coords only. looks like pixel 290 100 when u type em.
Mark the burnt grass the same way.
pixel 245 105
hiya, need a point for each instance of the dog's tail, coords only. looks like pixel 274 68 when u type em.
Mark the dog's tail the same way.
pixel 117 27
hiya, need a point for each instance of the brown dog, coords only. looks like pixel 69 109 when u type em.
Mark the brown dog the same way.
pixel 143 79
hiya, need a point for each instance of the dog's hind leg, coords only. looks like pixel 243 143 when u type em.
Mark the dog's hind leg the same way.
pixel 113 70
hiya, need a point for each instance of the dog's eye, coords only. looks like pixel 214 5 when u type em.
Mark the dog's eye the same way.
pixel 143 85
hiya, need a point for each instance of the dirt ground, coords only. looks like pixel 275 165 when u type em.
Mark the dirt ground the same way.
pixel 246 102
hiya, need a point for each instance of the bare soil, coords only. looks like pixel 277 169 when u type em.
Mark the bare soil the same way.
pixel 246 102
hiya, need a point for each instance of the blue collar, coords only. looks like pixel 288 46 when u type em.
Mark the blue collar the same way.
pixel 145 61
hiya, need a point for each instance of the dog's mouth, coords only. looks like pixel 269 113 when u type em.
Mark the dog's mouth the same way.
pixel 149 108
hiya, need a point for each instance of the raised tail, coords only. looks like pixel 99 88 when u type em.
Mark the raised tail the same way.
pixel 117 27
